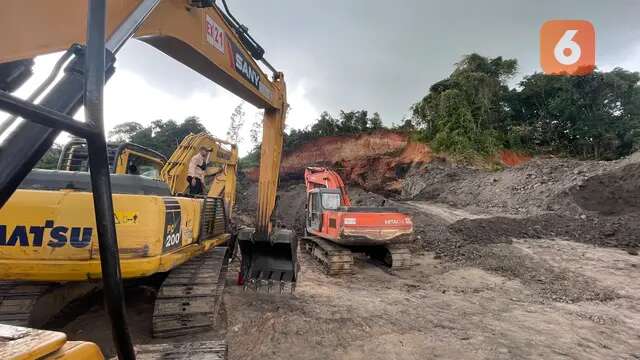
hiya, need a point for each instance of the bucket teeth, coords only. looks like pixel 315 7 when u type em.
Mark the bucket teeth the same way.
pixel 269 286
pixel 265 264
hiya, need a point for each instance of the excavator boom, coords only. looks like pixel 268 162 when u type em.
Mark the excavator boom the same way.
pixel 318 177
pixel 221 170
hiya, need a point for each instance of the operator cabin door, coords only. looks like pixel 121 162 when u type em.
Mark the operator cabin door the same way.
pixel 314 217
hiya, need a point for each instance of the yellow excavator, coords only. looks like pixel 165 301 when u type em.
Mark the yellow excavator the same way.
pixel 158 224
pixel 68 228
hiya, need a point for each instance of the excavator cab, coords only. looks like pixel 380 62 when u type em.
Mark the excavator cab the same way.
pixel 320 200
pixel 124 158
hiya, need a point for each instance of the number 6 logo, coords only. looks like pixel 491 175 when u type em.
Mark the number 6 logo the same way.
pixel 567 47
pixel 566 43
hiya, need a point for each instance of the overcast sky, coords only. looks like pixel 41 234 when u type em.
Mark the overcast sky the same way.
pixel 375 55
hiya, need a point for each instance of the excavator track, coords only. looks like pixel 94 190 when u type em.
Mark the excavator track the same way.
pixel 32 304
pixel 189 297
pixel 17 301
pixel 335 259
pixel 396 257
pixel 201 350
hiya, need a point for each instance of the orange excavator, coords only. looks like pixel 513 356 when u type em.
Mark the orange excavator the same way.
pixel 334 229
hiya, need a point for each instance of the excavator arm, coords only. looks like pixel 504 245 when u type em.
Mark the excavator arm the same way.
pixel 200 38
pixel 221 167
pixel 319 177
pixel 196 33
pixel 204 39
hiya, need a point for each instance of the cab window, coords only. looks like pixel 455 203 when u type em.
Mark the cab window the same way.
pixel 331 201
pixel 138 165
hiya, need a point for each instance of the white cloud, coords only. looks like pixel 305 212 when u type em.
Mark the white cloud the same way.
pixel 629 59
pixel 130 97
pixel 302 112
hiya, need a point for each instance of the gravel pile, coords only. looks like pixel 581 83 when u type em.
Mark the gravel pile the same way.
pixel 592 202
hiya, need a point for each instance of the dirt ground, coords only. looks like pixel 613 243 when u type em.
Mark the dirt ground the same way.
pixel 525 299
pixel 538 261
pixel 446 311
pixel 434 310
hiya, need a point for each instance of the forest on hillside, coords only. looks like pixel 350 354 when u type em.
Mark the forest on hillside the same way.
pixel 474 111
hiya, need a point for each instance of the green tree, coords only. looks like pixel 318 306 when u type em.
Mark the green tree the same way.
pixel 592 116
pixel 161 135
pixel 123 132
pixel 50 159
pixel 375 122
pixel 326 125
pixel 406 126
pixel 466 112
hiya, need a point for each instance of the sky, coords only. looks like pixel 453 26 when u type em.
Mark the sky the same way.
pixel 358 54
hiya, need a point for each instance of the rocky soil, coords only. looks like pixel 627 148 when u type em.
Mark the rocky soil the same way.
pixel 537 186
pixel 535 261
pixel 586 201
pixel 442 310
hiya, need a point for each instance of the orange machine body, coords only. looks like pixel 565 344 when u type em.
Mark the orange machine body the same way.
pixel 331 216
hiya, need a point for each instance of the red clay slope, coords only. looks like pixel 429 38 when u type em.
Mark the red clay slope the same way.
pixel 376 161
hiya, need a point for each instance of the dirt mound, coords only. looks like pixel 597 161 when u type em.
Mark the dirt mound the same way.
pixel 600 231
pixel 537 186
pixel 593 202
pixel 289 207
pixel 550 282
pixel 611 193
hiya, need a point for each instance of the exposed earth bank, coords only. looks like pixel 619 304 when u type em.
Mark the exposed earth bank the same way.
pixel 375 161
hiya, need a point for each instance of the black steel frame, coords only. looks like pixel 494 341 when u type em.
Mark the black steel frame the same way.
pixel 83 83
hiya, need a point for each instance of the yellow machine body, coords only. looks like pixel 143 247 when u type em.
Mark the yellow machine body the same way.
pixel 19 343
pixel 51 236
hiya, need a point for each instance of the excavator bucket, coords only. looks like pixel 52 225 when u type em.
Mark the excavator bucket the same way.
pixel 270 265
